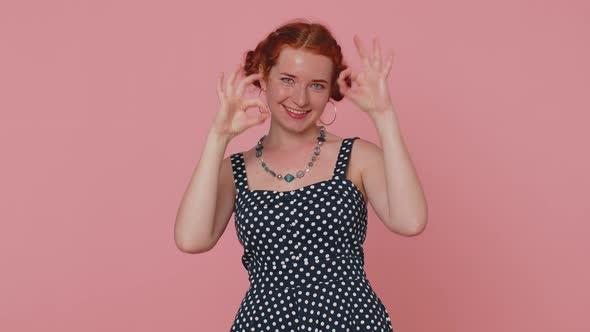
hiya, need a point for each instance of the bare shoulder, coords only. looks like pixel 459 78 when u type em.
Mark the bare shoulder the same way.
pixel 363 155
pixel 366 153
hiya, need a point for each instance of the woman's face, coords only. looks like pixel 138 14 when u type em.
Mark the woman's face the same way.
pixel 298 87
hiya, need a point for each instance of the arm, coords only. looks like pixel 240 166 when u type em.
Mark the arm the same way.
pixel 390 180
pixel 207 204
pixel 388 176
pixel 208 201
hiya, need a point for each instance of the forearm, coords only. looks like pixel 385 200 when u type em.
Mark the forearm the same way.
pixel 195 217
pixel 406 200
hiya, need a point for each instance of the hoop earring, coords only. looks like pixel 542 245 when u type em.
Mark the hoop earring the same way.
pixel 333 106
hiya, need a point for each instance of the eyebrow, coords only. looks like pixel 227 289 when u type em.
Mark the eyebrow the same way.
pixel 291 75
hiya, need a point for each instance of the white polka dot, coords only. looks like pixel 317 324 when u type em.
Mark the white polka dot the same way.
pixel 303 250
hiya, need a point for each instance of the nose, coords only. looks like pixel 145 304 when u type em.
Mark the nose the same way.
pixel 300 96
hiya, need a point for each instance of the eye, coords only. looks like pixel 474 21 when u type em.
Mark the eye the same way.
pixel 290 80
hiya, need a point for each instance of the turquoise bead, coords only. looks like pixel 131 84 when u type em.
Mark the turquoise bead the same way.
pixel 288 177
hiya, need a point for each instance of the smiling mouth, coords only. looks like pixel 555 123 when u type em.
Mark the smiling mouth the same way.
pixel 295 111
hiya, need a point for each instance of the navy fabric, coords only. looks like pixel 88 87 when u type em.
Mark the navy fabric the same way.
pixel 303 250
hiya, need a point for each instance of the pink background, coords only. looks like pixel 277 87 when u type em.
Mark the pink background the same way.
pixel 104 110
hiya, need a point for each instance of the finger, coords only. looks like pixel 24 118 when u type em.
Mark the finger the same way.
pixel 359 47
pixel 343 87
pixel 354 77
pixel 219 85
pixel 260 117
pixel 376 52
pixel 388 64
pixel 237 75
pixel 243 83
pixel 361 50
pixel 255 102
pixel 231 80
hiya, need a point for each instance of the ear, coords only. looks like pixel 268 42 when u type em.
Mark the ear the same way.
pixel 262 81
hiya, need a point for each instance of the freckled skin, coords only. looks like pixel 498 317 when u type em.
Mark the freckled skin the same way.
pixel 304 91
pixel 300 93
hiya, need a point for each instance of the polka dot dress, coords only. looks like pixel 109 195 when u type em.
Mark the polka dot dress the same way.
pixel 304 256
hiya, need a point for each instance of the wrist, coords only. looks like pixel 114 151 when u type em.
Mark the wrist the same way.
pixel 219 136
pixel 386 114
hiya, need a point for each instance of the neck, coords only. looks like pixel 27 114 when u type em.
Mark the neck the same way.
pixel 279 138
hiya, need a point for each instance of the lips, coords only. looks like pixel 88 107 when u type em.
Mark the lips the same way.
pixel 295 114
pixel 296 111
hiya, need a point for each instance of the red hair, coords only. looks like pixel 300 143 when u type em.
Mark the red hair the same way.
pixel 298 34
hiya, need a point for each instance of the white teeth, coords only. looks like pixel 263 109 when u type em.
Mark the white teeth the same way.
pixel 294 111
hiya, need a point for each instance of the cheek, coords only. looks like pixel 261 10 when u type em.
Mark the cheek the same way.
pixel 276 95
pixel 280 93
pixel 320 99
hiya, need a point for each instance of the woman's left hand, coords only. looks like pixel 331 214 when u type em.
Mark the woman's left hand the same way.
pixel 371 93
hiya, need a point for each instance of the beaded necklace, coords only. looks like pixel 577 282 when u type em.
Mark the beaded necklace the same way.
pixel 289 177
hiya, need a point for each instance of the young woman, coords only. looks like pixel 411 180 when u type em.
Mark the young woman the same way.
pixel 300 193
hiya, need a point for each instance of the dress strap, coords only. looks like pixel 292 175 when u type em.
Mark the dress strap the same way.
pixel 343 158
pixel 238 167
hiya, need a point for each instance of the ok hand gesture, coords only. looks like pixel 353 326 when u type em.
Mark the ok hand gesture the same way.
pixel 371 93
pixel 232 119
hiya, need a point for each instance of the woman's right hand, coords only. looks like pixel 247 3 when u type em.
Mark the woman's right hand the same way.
pixel 231 119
